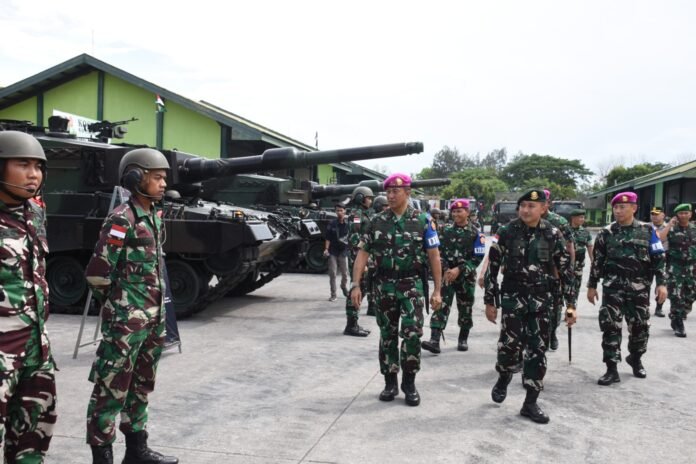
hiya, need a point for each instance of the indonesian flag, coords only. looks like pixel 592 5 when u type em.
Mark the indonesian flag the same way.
pixel 118 231
pixel 159 101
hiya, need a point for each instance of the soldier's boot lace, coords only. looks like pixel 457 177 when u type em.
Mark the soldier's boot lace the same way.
pixel 408 386
pixel 638 369
pixel 553 345
pixel 658 311
pixel 499 391
pixel 678 326
pixel 531 409
pixel 433 345
pixel 462 344
pixel 391 387
pixel 354 330
pixel 137 451
pixel 102 455
pixel 611 375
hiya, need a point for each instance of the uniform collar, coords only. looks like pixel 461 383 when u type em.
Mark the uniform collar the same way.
pixel 19 209
pixel 408 213
pixel 137 207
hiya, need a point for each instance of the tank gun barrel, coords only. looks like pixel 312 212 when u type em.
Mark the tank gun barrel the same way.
pixel 194 169
pixel 323 191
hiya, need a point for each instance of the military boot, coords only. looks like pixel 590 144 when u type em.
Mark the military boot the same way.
pixel 391 387
pixel 531 409
pixel 371 309
pixel 102 455
pixel 610 376
pixel 433 345
pixel 658 310
pixel 354 330
pixel 553 345
pixel 678 326
pixel 499 391
pixel 463 337
pixel 408 386
pixel 638 369
pixel 137 451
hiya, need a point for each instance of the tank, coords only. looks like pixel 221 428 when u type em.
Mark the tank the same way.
pixel 241 247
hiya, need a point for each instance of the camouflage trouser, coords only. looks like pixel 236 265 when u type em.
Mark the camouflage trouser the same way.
pixel 525 325
pixel 579 266
pixel 464 290
pixel 396 300
pixel 123 376
pixel 556 314
pixel 681 288
pixel 28 408
pixel 365 288
pixel 632 303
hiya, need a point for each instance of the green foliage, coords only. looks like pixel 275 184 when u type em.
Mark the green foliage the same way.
pixel 621 174
pixel 480 183
pixel 525 168
pixel 558 192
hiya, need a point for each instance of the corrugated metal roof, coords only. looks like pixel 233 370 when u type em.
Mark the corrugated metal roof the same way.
pixel 687 169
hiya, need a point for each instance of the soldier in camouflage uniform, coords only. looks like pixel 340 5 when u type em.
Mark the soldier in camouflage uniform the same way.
pixel 358 221
pixel 27 378
pixel 583 244
pixel 529 250
pixel 401 241
pixel 627 254
pixel 681 261
pixel 126 278
pixel 462 247
pixel 561 224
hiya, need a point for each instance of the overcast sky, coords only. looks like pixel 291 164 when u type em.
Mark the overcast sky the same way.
pixel 601 81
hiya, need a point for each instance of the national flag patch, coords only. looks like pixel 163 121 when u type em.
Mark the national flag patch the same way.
pixel 495 238
pixel 118 231
pixel 356 220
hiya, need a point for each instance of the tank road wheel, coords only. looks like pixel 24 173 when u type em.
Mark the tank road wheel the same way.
pixel 316 262
pixel 66 280
pixel 185 284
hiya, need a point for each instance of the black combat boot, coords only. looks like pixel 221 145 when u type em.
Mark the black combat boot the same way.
pixel 658 310
pixel 391 387
pixel 638 369
pixel 137 451
pixel 354 330
pixel 553 345
pixel 463 337
pixel 531 409
pixel 433 345
pixel 102 455
pixel 371 309
pixel 499 391
pixel 408 386
pixel 610 376
pixel 678 326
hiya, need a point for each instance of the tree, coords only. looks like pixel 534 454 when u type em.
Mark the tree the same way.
pixel 495 160
pixel 558 192
pixel 447 161
pixel 523 168
pixel 621 174
pixel 479 183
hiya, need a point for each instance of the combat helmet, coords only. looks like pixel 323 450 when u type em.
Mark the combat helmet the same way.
pixel 145 158
pixel 379 203
pixel 360 193
pixel 15 144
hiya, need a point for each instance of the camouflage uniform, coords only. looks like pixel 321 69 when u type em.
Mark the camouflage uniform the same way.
pixel 27 382
pixel 562 225
pixel 583 239
pixel 358 222
pixel 398 248
pixel 622 258
pixel 457 250
pixel 528 257
pixel 125 276
pixel 681 261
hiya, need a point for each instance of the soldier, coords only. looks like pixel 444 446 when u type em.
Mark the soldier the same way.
pixel 358 222
pixel 583 243
pixel 463 247
pixel 531 250
pixel 380 204
pixel 561 224
pixel 657 217
pixel 125 276
pixel 681 261
pixel 627 254
pixel 400 240
pixel 27 378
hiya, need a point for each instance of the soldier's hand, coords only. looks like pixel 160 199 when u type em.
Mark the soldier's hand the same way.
pixel 661 293
pixel 435 301
pixel 326 253
pixel 356 296
pixel 481 281
pixel 571 316
pixel 592 295
pixel 491 313
pixel 451 275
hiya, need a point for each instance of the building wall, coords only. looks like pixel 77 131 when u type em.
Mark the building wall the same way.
pixel 22 111
pixel 123 100
pixel 78 96
pixel 191 132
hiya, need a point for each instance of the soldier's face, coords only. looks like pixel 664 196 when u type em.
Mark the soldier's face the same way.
pixel 24 173
pixel 624 212
pixel 577 221
pixel 683 217
pixel 397 197
pixel 530 212
pixel 367 202
pixel 155 183
pixel 657 218
pixel 460 215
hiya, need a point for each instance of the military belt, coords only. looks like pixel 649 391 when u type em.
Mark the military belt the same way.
pixel 524 287
pixel 394 275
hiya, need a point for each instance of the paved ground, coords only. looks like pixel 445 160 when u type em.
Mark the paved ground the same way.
pixel 269 378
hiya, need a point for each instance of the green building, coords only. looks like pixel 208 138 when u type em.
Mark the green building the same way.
pixel 86 89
